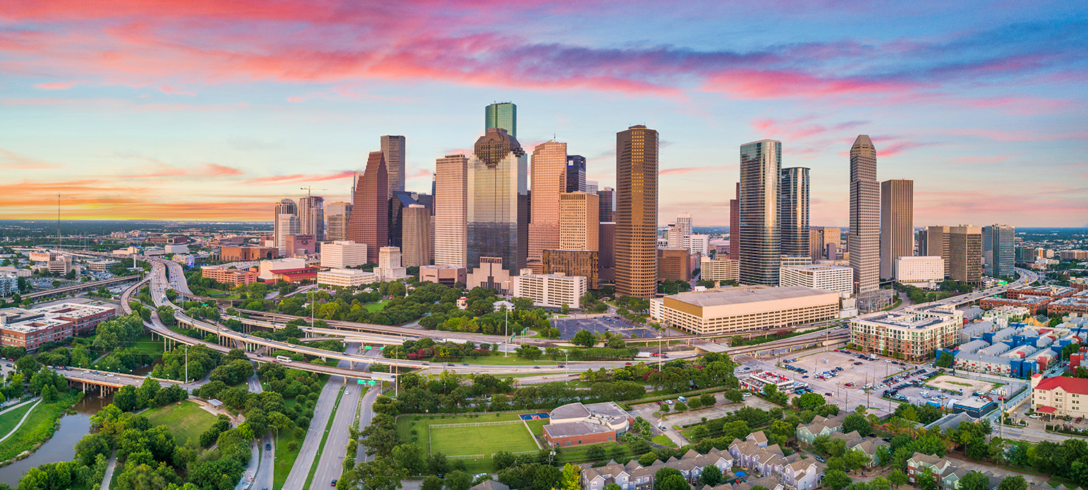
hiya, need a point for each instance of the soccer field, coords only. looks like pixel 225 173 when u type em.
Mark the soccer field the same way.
pixel 486 440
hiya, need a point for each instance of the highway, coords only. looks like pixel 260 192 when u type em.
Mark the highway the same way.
pixel 80 287
pixel 266 467
pixel 308 450
pixel 1025 277
pixel 330 466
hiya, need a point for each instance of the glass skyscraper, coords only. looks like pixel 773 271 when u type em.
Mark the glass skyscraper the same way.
pixel 864 238
pixel 502 115
pixel 760 230
pixel 497 179
pixel 998 250
pixel 793 210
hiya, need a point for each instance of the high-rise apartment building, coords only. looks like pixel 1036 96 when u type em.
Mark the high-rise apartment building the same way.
pixel 338 214
pixel 636 221
pixel 370 214
pixel 760 229
pixel 549 178
pixel 284 207
pixel 497 190
pixel 937 246
pixel 965 249
pixel 393 151
pixel 502 115
pixel 311 216
pixel 606 197
pixel 998 250
pixel 734 226
pixel 896 224
pixel 416 238
pixel 450 210
pixel 576 173
pixel 699 244
pixel 794 211
pixel 578 223
pixel 864 240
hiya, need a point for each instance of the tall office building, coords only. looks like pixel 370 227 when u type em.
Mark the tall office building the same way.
pixel 864 240
pixel 311 216
pixel 450 210
pixel 497 190
pixel 998 250
pixel 636 221
pixel 673 238
pixel 287 225
pixel 832 238
pixel 576 173
pixel 965 248
pixel 606 242
pixel 816 247
pixel 606 198
pixel 503 115
pixel 398 204
pixel 760 228
pixel 683 222
pixel 734 226
pixel 338 214
pixel 896 224
pixel 393 150
pixel 937 246
pixel 578 222
pixel 370 214
pixel 549 178
pixel 416 238
pixel 591 186
pixel 279 235
pixel 793 211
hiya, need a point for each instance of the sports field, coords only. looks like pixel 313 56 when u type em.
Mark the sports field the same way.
pixel 486 440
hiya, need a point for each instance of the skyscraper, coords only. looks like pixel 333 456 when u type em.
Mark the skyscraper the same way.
pixel 576 173
pixel 864 239
pixel 606 198
pixel 497 181
pixel 393 150
pixel 816 247
pixel 286 225
pixel 502 115
pixel 683 222
pixel 896 224
pixel 578 222
pixel 793 211
pixel 734 225
pixel 965 249
pixel 760 226
pixel 337 214
pixel 937 246
pixel 416 238
pixel 311 216
pixel 450 210
pixel 370 214
pixel 284 207
pixel 636 222
pixel 998 250
pixel 549 169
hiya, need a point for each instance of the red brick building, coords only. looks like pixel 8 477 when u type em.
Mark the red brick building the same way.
pixel 245 254
pixel 31 328
pixel 230 276
pixel 576 424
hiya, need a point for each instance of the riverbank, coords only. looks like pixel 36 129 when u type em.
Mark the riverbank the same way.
pixel 37 429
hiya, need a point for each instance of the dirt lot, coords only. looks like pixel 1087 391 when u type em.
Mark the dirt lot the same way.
pixel 967 385
pixel 647 410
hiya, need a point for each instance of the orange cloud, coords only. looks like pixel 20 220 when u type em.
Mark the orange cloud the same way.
pixel 54 85
pixel 275 179
pixel 14 161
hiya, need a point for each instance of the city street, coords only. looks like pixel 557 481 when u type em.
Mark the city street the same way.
pixel 308 451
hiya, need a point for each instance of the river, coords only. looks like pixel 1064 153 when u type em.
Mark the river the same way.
pixel 62 446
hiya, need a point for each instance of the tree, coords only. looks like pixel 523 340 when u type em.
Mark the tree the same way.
pixel 945 360
pixel 897 478
pixel 438 464
pixel 734 396
pixel 565 308
pixel 709 400
pixel 595 453
pixel 974 481
pixel 571 478
pixel 1015 483
pixel 855 422
pixel 432 483
pixel 584 338
pixel 926 480
pixel 612 486
pixel 836 479
pixel 712 475
pixel 409 457
pixel 673 482
pixel 809 401
pixel 458 480
pixel 880 483
pixel 90 446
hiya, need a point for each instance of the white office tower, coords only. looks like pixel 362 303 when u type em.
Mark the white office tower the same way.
pixel 389 268
pixel 700 244
pixel 286 224
pixel 450 210
pixel 683 222
pixel 342 254
pixel 826 277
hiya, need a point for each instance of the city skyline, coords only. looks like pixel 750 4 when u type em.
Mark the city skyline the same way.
pixel 149 125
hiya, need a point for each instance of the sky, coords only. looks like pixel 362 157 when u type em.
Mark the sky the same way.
pixel 216 109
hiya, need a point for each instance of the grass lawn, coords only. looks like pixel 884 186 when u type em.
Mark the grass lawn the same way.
pixel 466 440
pixel 663 440
pixel 186 421
pixel 144 345
pixel 499 360
pixel 9 419
pixel 379 306
pixel 537 426
pixel 38 427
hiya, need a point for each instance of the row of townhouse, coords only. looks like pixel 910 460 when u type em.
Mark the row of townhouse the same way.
pixel 634 476
pixel 820 426
pixel 792 472
pixel 946 474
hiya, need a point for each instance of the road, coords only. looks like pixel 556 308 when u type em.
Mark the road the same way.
pixel 366 414
pixel 331 466
pixel 308 451
pixel 265 471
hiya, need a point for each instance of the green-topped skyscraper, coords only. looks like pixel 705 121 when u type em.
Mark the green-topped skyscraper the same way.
pixel 502 115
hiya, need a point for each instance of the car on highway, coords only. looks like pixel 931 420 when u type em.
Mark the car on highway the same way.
pixel 267 447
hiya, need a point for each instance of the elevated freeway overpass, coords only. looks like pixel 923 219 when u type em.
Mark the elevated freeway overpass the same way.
pixel 83 286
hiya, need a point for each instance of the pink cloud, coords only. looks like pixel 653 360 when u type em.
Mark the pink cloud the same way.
pixel 687 170
pixel 774 84
pixel 1001 135
pixel 167 89
pixel 13 161
pixel 278 179
pixel 54 85
pixel 217 170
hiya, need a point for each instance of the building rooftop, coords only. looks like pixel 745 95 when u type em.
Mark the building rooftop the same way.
pixel 748 294
pixel 569 429
pixel 1069 385
pixel 817 268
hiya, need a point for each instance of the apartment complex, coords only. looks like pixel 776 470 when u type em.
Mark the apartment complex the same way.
pixel 229 276
pixel 1060 396
pixel 550 290
pixel 724 310
pixel 915 332
pixel 30 328
pixel 826 277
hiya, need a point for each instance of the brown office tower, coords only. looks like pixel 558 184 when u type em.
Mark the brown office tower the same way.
pixel 606 243
pixel 416 236
pixel 636 223
pixel 896 224
pixel 578 223
pixel 583 263
pixel 734 226
pixel 673 264
pixel 965 249
pixel 370 213
pixel 937 246
pixel 816 243
pixel 606 196
pixel 549 180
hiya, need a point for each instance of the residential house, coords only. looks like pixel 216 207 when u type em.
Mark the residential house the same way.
pixel 820 426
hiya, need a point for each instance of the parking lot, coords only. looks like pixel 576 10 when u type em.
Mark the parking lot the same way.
pixel 597 324
pixel 930 386
pixel 721 409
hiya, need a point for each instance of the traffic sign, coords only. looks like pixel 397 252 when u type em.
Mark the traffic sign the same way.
pixel 362 381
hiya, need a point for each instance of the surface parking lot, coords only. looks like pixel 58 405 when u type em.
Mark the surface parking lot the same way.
pixel 597 324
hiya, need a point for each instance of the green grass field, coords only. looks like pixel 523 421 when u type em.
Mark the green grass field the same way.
pixel 9 419
pixel 537 426
pixel 145 345
pixel 185 421
pixel 513 360
pixel 466 440
pixel 379 306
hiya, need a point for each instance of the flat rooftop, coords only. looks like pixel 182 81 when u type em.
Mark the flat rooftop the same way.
pixel 747 294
